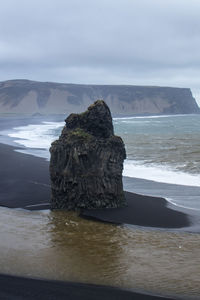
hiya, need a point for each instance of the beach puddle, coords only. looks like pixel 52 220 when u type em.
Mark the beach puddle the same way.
pixel 60 245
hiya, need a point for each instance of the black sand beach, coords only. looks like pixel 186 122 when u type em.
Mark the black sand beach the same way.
pixel 20 288
pixel 24 183
pixel 22 177
pixel 25 176
pixel 143 211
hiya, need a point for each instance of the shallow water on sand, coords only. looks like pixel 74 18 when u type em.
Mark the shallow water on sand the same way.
pixel 60 245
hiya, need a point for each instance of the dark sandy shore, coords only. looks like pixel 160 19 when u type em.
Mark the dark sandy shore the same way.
pixel 24 183
pixel 143 211
pixel 24 180
pixel 19 288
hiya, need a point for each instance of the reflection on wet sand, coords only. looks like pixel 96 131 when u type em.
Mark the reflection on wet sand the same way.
pixel 89 250
pixel 60 245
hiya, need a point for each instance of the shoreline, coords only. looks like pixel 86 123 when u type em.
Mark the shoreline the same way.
pixel 23 176
pixel 18 188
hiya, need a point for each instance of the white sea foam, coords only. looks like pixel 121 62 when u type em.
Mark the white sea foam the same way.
pixel 159 173
pixel 147 117
pixel 37 137
pixel 187 205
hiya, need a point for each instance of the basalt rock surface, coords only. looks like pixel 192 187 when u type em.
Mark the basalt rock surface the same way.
pixel 87 162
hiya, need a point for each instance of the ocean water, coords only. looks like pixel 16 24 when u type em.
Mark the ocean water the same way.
pixel 160 149
pixel 162 159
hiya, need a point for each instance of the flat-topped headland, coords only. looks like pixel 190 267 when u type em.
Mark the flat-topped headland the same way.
pixel 36 98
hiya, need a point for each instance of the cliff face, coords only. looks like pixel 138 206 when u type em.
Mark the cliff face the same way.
pixel 87 161
pixel 24 96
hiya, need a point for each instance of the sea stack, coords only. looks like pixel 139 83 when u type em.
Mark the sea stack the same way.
pixel 87 161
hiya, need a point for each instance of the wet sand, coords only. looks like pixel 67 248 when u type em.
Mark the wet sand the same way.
pixel 13 287
pixel 24 183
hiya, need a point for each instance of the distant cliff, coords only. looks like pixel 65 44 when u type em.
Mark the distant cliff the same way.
pixel 31 97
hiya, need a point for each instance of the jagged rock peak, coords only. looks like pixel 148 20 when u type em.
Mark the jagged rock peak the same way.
pixel 96 120
pixel 87 161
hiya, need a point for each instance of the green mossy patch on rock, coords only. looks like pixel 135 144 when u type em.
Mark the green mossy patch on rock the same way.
pixel 80 133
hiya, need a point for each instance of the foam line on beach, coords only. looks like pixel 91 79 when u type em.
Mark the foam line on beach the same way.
pixel 159 173
pixel 179 205
pixel 148 117
pixel 37 138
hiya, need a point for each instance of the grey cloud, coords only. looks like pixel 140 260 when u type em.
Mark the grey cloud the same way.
pixel 125 41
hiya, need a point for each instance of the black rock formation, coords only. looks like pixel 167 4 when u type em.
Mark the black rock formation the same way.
pixel 87 162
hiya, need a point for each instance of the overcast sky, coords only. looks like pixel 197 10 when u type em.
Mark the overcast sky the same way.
pixel 139 42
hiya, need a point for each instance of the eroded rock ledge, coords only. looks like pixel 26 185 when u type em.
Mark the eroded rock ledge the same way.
pixel 87 162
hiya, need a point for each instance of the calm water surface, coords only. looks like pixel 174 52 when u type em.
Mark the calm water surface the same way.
pixel 60 245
